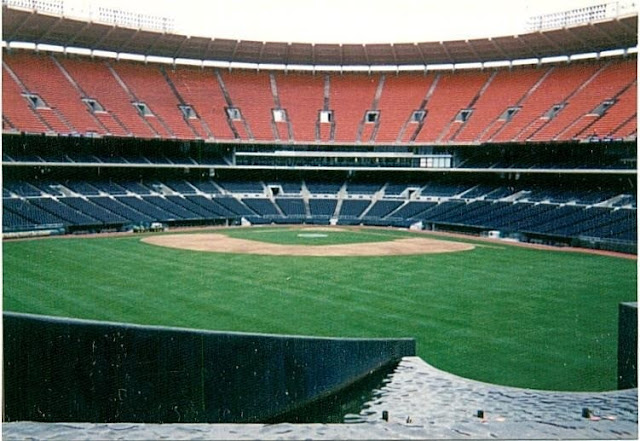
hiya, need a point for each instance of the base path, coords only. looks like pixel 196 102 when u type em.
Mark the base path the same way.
pixel 223 244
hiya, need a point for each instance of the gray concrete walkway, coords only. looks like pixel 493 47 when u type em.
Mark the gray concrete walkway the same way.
pixel 421 402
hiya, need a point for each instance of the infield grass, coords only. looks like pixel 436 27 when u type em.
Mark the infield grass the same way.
pixel 498 313
pixel 313 236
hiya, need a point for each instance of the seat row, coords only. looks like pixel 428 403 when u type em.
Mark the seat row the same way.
pixel 96 210
pixel 432 189
pixel 69 95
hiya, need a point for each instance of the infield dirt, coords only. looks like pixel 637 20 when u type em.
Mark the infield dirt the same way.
pixel 220 243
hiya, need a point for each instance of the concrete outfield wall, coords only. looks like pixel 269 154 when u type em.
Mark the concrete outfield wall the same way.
pixel 59 370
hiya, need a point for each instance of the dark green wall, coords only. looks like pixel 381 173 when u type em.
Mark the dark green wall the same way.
pixel 628 345
pixel 76 370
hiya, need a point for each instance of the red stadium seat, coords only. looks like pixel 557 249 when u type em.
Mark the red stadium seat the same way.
pixel 555 103
pixel 98 82
pixel 148 85
pixel 401 96
pixel 251 93
pixel 16 109
pixel 554 89
pixel 506 90
pixel 453 92
pixel 200 89
pixel 301 95
pixel 351 95
pixel 41 75
pixel 577 115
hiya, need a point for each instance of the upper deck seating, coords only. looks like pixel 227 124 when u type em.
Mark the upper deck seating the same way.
pixel 402 95
pixel 288 187
pixel 98 82
pixel 16 109
pixel 148 85
pixel 207 187
pixel 506 89
pixel 41 74
pixel 82 95
pixel 579 113
pixel 250 92
pixel 452 93
pixel 555 89
pixel 199 89
pixel 351 96
pixel 301 96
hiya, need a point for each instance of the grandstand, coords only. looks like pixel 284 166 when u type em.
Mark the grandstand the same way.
pixel 104 144
pixel 113 127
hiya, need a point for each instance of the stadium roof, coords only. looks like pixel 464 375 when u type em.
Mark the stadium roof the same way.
pixel 30 26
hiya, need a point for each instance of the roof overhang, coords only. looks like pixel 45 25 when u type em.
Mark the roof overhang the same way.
pixel 40 28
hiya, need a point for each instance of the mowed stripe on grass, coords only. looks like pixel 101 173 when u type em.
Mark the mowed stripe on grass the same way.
pixel 506 315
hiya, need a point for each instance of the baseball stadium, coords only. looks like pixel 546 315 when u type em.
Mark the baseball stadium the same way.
pixel 210 237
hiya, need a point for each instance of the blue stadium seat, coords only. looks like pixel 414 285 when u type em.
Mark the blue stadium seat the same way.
pixel 322 207
pixel 292 207
pixel 262 206
pixel 353 207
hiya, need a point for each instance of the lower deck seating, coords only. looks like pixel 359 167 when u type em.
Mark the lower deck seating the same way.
pixel 353 208
pixel 382 208
pixel 323 187
pixel 290 188
pixel 96 211
pixel 359 188
pixel 555 212
pixel 242 187
pixel 292 207
pixel 30 214
pixel 64 212
pixel 262 206
pixel 322 208
pixel 211 206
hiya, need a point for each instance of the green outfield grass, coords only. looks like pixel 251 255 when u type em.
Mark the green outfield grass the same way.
pixel 499 313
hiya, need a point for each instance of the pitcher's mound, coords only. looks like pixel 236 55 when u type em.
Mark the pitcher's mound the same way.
pixel 223 244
